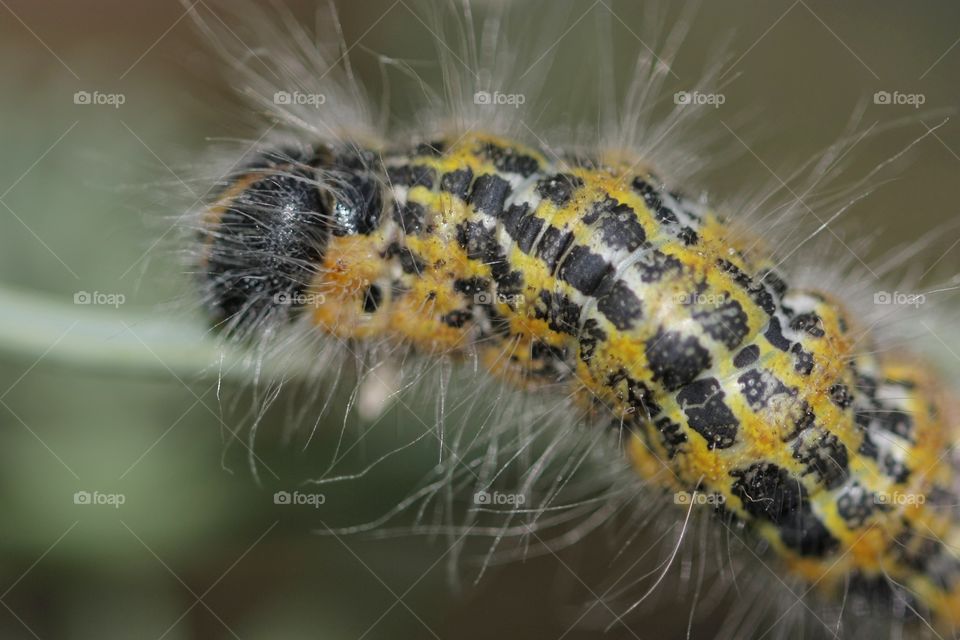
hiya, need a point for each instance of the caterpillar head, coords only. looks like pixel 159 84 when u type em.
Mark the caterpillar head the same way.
pixel 265 235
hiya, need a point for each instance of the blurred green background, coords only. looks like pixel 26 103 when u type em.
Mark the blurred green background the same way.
pixel 198 550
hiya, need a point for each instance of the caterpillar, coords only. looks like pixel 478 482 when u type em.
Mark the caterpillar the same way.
pixel 587 274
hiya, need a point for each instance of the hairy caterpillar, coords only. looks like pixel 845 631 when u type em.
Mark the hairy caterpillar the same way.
pixel 587 274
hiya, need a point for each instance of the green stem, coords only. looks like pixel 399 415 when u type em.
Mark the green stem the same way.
pixel 37 329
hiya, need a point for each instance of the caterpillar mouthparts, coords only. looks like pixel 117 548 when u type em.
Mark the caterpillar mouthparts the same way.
pixel 652 310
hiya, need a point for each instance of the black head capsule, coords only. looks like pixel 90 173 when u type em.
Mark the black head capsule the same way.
pixel 267 236
pixel 267 233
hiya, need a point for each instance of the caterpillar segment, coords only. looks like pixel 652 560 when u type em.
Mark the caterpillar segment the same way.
pixel 641 302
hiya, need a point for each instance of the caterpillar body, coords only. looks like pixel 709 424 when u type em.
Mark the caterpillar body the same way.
pixel 728 380
pixel 584 273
